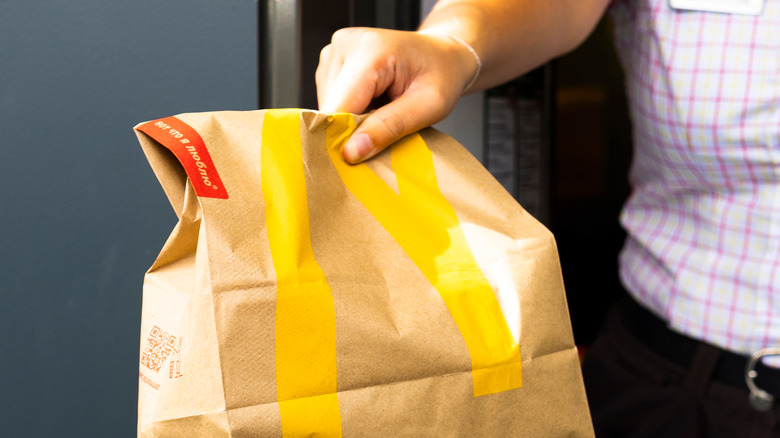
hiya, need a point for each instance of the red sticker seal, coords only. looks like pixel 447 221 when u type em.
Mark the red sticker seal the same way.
pixel 189 148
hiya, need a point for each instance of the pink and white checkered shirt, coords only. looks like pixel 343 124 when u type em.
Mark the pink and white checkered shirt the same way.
pixel 703 219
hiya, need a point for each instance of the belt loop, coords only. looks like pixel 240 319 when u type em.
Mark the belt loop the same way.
pixel 699 373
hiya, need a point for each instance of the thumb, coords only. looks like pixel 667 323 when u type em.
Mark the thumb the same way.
pixel 388 124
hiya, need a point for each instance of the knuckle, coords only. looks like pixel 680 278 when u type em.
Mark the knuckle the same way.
pixel 323 66
pixel 371 39
pixel 393 124
pixel 326 53
pixel 342 35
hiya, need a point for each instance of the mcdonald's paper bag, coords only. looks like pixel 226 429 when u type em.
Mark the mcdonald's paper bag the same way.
pixel 299 295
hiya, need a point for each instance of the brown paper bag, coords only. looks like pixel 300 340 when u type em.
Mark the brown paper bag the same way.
pixel 302 296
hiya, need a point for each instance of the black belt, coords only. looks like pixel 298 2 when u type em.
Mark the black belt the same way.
pixel 680 349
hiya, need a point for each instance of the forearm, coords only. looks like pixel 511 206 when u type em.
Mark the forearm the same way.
pixel 513 37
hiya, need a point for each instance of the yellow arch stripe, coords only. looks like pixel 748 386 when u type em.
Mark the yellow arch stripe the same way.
pixel 305 315
pixel 425 225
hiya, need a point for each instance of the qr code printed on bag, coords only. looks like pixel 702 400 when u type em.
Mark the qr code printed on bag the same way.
pixel 159 345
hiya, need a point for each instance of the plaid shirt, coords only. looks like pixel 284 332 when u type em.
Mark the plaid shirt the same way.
pixel 703 219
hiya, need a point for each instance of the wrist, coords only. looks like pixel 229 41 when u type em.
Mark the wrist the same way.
pixel 476 63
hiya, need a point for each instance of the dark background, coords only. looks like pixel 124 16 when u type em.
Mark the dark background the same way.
pixel 591 156
pixel 82 216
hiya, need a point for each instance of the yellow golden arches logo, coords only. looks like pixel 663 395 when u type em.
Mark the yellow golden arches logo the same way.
pixel 305 365
pixel 424 225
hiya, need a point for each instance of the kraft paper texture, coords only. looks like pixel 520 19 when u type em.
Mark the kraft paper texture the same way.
pixel 299 295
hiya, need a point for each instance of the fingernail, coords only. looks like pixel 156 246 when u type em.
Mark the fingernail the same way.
pixel 358 148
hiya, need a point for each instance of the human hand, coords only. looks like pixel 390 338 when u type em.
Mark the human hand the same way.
pixel 422 76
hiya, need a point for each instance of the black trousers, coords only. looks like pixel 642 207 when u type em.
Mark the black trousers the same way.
pixel 634 391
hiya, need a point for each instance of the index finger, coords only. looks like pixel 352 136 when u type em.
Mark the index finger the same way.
pixel 355 85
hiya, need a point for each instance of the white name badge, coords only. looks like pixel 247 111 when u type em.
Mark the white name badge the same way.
pixel 746 7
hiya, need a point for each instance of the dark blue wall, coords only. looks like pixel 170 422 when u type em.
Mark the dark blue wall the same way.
pixel 81 214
